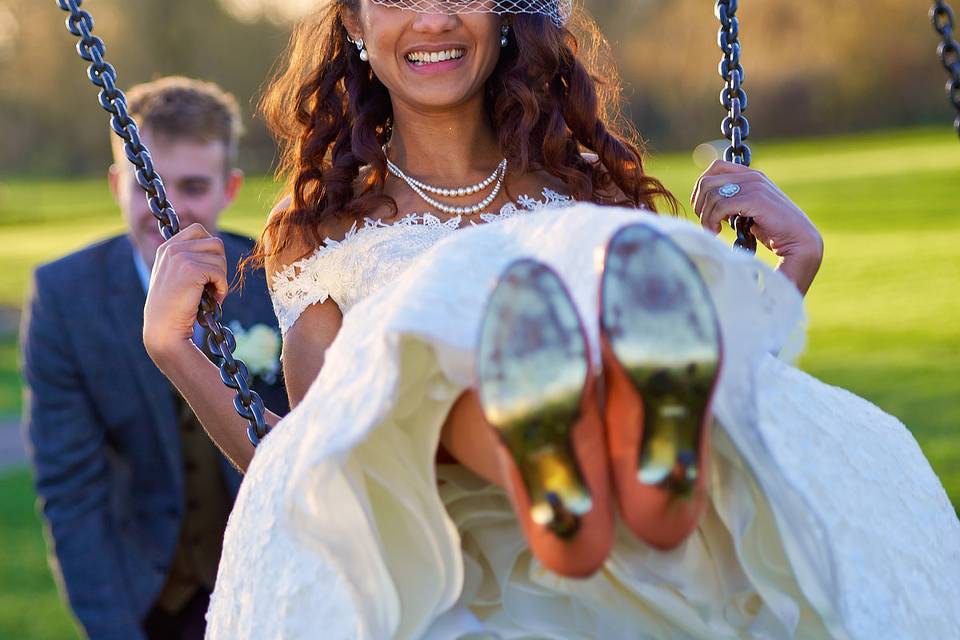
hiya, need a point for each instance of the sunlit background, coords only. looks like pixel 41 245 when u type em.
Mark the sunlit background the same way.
pixel 848 115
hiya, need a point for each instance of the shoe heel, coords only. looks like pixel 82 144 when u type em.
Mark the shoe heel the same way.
pixel 532 367
pixel 659 324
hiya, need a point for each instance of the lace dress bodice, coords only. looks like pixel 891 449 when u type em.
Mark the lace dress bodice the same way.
pixel 371 256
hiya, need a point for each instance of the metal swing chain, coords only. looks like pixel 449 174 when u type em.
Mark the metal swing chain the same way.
pixel 735 126
pixel 949 50
pixel 220 339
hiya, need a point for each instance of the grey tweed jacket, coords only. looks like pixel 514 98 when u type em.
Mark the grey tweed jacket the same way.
pixel 102 430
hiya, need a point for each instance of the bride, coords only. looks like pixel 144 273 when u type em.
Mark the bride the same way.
pixel 502 399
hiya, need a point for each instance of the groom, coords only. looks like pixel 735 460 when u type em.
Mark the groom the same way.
pixel 134 495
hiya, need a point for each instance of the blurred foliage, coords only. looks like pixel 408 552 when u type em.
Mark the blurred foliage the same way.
pixel 813 66
pixel 46 99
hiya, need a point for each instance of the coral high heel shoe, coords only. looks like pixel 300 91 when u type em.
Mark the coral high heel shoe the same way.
pixel 536 389
pixel 661 352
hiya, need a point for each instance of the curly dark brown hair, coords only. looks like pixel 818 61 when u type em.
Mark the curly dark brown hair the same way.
pixel 545 99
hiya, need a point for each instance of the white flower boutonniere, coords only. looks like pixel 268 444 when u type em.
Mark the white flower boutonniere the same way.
pixel 259 348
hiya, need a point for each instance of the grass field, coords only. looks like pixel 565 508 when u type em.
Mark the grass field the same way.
pixel 883 312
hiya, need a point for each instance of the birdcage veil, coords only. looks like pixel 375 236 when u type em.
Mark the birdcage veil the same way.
pixel 557 10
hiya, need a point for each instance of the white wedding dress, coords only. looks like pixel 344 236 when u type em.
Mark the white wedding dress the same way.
pixel 825 519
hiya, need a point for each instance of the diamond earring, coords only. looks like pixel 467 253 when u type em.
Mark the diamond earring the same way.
pixel 504 32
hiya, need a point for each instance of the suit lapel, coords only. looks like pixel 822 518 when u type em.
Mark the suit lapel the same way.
pixel 125 300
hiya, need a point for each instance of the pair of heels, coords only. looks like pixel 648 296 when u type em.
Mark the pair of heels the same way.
pixel 644 439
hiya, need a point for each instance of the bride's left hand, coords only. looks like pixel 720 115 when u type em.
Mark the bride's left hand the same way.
pixel 778 223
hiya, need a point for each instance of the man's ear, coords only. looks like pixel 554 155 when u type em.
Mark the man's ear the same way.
pixel 232 188
pixel 114 175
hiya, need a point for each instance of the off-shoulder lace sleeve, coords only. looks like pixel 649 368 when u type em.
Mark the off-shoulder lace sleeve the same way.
pixel 376 254
pixel 312 280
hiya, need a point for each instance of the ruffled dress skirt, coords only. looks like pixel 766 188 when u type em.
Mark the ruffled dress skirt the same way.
pixel 825 519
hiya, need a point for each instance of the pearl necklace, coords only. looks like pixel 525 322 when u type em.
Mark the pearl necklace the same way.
pixel 421 189
pixel 449 193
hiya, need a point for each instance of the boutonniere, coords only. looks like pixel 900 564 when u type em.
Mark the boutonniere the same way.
pixel 259 348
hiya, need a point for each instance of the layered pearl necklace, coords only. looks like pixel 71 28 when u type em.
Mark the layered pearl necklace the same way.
pixel 422 189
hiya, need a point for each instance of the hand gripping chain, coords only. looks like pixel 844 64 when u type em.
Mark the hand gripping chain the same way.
pixel 949 50
pixel 220 339
pixel 735 127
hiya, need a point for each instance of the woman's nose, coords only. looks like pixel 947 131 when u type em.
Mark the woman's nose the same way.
pixel 435 21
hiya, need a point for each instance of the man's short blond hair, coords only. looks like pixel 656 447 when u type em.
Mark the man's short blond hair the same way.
pixel 182 108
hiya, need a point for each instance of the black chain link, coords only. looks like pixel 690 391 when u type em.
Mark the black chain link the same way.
pixel 220 339
pixel 735 126
pixel 949 50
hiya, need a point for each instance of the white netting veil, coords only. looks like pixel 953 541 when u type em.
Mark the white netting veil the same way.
pixel 557 10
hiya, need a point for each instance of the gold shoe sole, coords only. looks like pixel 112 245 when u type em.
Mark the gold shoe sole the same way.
pixel 532 366
pixel 661 324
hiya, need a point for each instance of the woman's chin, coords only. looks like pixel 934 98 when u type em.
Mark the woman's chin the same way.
pixel 439 100
pixel 437 92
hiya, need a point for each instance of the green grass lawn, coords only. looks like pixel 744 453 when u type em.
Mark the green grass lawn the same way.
pixel 29 605
pixel 882 313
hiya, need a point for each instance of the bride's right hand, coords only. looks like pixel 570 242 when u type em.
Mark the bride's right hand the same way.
pixel 185 264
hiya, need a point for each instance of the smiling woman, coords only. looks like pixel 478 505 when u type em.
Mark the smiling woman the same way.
pixel 430 485
pixel 534 86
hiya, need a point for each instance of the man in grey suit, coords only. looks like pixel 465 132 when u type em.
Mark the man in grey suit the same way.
pixel 134 495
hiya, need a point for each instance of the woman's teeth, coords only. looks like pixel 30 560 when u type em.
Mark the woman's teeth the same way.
pixel 420 58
